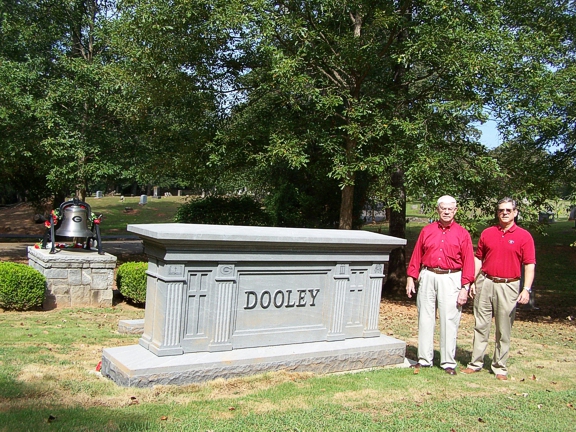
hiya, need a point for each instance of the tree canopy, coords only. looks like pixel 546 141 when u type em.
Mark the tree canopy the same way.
pixel 315 106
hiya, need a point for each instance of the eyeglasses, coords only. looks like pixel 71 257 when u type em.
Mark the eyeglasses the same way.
pixel 505 210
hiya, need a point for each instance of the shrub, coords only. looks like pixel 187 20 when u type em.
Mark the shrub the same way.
pixel 219 210
pixel 21 286
pixel 131 281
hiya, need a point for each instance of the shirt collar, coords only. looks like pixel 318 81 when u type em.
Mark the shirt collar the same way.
pixel 448 227
pixel 511 229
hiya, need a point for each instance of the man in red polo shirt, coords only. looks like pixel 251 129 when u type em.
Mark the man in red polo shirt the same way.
pixel 443 264
pixel 502 250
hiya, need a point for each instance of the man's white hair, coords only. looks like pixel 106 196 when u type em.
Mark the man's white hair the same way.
pixel 446 199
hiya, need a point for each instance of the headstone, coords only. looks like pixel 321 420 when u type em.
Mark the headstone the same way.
pixel 179 192
pixel 155 192
pixel 98 194
pixel 546 216
pixel 226 301
pixel 143 199
pixel 135 326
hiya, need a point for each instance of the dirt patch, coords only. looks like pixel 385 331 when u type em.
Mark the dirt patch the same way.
pixel 19 219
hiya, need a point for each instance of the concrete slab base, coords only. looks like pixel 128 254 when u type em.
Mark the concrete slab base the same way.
pixel 135 326
pixel 135 366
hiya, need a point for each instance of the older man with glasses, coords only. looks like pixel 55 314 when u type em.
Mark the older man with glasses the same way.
pixel 443 264
pixel 502 250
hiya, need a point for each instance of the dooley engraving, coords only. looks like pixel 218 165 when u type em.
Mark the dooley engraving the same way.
pixel 281 298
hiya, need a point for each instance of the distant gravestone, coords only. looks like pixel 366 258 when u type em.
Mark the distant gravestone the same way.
pixel 143 199
pixel 179 192
pixel 98 194
pixel 546 217
pixel 155 192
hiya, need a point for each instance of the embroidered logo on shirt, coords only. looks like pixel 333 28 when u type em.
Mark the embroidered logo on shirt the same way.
pixel 511 241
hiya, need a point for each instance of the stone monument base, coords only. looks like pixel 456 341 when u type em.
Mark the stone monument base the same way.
pixel 135 366
pixel 135 326
pixel 75 277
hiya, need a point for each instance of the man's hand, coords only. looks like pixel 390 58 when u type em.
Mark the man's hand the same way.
pixel 524 297
pixel 472 291
pixel 410 289
pixel 462 297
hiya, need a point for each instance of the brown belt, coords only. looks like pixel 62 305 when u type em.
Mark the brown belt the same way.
pixel 439 270
pixel 501 280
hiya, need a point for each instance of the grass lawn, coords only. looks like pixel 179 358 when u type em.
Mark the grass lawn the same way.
pixel 48 380
pixel 117 214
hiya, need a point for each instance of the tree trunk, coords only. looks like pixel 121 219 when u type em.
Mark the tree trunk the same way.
pixel 396 275
pixel 58 199
pixel 397 227
pixel 346 207
pixel 347 204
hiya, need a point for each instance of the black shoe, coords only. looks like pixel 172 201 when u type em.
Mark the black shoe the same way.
pixel 450 371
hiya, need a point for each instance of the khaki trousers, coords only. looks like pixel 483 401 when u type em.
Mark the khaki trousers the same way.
pixel 496 300
pixel 441 290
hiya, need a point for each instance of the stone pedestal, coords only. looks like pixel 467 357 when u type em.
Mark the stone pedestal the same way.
pixel 224 301
pixel 75 277
pixel 135 366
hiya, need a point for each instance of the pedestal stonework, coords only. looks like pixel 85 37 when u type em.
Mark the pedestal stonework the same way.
pixel 75 277
pixel 225 301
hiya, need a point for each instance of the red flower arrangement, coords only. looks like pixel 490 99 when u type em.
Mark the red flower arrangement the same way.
pixel 55 217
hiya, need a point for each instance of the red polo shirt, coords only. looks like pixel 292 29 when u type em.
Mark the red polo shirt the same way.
pixel 503 252
pixel 447 248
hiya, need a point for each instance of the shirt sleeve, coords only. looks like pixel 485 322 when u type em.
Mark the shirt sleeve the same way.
pixel 413 269
pixel 529 251
pixel 480 249
pixel 467 259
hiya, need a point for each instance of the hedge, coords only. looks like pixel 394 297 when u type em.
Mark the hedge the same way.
pixel 21 286
pixel 131 281
pixel 221 210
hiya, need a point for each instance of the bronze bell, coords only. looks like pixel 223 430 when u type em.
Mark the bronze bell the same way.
pixel 74 222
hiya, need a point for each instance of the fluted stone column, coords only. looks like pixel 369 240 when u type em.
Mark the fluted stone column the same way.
pixel 167 293
pixel 226 298
pixel 372 304
pixel 341 281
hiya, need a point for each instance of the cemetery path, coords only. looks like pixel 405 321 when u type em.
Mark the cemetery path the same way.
pixel 124 250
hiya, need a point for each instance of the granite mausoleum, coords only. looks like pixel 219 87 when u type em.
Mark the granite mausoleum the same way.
pixel 226 301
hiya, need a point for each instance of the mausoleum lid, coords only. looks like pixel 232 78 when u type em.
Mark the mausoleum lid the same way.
pixel 252 234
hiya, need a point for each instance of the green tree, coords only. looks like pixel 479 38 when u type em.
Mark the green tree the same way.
pixel 89 97
pixel 534 102
pixel 378 87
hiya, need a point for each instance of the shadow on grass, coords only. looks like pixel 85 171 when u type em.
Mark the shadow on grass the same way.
pixel 118 298
pixel 549 307
pixel 79 418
